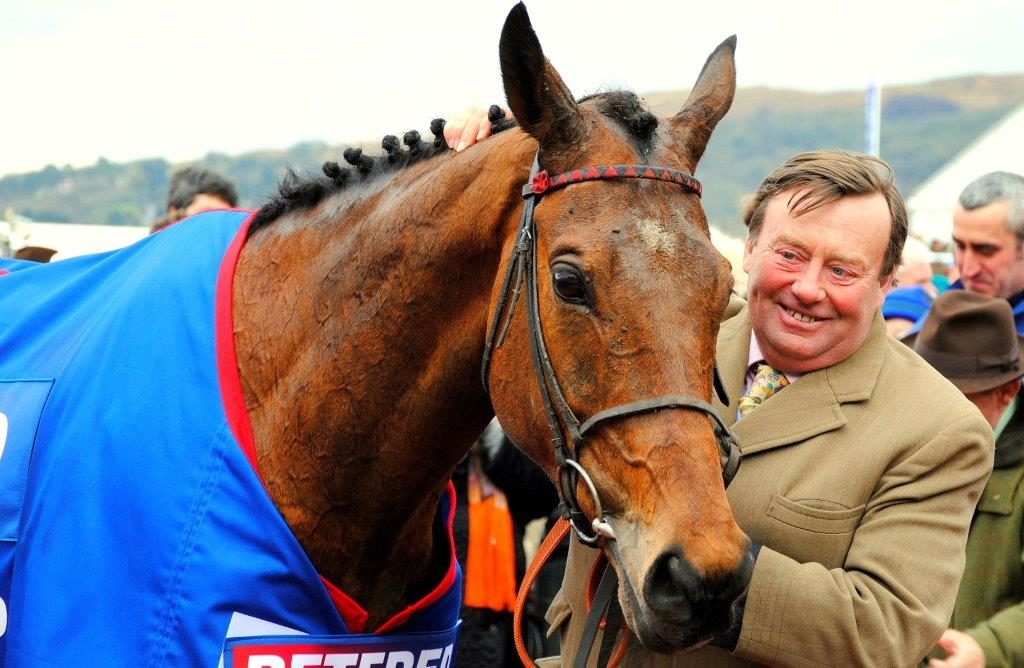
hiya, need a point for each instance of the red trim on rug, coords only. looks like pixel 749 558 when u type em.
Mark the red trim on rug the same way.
pixel 442 587
pixel 227 364
pixel 353 614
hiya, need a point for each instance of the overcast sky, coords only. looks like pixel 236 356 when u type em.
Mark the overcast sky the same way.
pixel 128 79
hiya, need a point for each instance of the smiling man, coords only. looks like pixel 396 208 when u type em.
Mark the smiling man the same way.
pixel 861 473
pixel 815 279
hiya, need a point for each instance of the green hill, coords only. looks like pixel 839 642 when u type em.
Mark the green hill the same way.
pixel 923 126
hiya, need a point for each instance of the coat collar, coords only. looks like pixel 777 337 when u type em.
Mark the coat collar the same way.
pixel 810 406
pixel 1010 446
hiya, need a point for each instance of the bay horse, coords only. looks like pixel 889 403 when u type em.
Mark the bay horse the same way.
pixel 352 319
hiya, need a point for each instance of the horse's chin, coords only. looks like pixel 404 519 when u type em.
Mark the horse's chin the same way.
pixel 666 638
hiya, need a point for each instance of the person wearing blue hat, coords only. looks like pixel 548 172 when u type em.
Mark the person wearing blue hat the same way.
pixel 904 306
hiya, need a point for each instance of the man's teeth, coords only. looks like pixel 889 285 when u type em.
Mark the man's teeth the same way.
pixel 800 316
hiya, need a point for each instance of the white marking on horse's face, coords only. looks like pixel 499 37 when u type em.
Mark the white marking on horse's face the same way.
pixel 657 238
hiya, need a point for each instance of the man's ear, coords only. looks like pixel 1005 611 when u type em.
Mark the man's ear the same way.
pixel 1007 392
pixel 748 254
pixel 886 285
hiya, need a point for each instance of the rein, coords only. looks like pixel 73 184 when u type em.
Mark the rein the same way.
pixel 522 269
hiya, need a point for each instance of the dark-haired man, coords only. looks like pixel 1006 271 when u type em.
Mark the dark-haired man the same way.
pixel 193 190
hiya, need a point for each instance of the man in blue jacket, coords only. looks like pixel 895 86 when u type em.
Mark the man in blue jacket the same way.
pixel 988 241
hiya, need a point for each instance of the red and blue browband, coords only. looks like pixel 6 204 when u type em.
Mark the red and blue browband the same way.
pixel 543 182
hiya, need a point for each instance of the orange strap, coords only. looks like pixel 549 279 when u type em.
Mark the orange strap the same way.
pixel 558 531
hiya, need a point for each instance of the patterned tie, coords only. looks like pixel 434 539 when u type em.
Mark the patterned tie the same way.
pixel 767 381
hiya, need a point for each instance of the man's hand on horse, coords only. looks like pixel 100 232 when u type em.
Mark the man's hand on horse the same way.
pixel 467 127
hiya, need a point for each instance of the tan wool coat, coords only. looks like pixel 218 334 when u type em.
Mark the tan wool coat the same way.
pixel 859 481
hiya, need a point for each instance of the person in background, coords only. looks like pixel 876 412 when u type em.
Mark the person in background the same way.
pixel 972 341
pixel 499 491
pixel 988 251
pixel 914 290
pixel 857 516
pixel 988 241
pixel 193 190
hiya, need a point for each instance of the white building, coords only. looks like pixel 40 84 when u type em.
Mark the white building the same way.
pixel 70 239
pixel 1000 148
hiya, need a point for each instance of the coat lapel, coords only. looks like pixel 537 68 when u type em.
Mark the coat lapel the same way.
pixel 733 348
pixel 810 406
pixel 804 409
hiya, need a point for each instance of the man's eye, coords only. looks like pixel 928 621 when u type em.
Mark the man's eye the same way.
pixel 788 255
pixel 839 272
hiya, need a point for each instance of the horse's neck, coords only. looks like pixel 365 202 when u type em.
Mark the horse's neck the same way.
pixel 360 328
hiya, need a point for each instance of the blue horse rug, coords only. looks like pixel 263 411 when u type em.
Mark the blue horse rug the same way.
pixel 134 528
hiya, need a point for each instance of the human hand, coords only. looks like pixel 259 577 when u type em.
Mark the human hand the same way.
pixel 467 128
pixel 963 651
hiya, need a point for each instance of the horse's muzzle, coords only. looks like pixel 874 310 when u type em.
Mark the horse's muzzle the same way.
pixel 685 608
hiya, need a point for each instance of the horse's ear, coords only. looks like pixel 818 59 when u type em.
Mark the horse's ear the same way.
pixel 537 96
pixel 710 98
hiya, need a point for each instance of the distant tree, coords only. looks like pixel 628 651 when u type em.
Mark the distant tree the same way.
pixel 922 128
pixel 125 213
pixel 46 215
pixel 917 107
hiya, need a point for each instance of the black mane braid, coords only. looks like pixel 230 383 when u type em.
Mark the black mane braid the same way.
pixel 296 193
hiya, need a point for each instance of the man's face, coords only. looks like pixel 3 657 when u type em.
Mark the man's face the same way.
pixel 988 255
pixel 815 280
pixel 993 403
pixel 205 202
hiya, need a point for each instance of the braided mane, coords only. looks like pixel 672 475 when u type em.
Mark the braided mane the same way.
pixel 296 193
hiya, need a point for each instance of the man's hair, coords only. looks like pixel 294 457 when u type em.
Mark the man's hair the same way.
pixel 191 181
pixel 998 187
pixel 821 177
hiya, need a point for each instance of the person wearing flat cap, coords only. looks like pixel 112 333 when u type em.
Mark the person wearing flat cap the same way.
pixel 971 339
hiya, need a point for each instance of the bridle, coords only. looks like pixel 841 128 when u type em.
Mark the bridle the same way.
pixel 522 269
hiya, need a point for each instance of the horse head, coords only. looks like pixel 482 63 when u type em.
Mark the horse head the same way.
pixel 603 377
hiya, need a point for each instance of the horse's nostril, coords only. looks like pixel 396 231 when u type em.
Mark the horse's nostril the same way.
pixel 671 582
pixel 674 590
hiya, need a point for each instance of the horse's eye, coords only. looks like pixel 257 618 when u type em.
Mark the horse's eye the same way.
pixel 569 284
